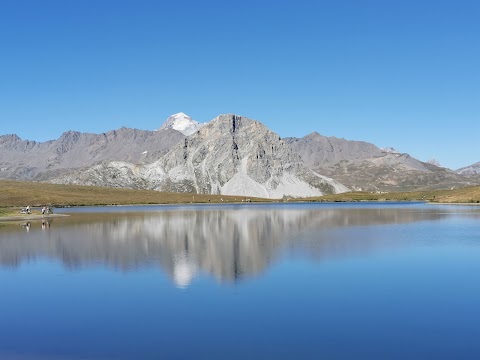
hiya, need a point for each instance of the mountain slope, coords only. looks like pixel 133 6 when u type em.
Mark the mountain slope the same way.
pixel 473 169
pixel 231 155
pixel 322 151
pixel 27 160
pixel 364 166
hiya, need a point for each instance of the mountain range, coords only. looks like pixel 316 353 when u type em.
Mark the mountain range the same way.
pixel 30 160
pixel 230 155
pixel 365 167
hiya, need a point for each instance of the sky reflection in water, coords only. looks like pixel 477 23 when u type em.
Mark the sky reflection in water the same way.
pixel 281 281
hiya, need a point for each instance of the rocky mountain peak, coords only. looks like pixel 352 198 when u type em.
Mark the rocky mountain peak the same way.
pixel 232 122
pixel 314 136
pixel 9 138
pixel 10 141
pixel 70 135
pixel 235 155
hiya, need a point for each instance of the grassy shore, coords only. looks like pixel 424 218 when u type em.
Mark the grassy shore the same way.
pixel 470 195
pixel 15 194
pixel 22 193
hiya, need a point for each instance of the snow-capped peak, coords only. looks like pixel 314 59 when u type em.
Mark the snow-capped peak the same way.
pixel 181 122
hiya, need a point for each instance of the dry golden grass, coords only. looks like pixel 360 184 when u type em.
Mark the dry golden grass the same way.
pixel 462 195
pixel 22 193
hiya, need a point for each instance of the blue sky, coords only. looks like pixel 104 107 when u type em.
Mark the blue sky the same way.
pixel 404 73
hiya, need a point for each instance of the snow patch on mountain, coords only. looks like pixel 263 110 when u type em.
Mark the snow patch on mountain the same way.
pixel 390 150
pixel 434 162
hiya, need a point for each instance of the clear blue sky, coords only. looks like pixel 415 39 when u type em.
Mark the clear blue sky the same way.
pixel 400 73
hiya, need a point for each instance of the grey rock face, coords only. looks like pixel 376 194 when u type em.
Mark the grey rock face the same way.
pixel 326 152
pixel 119 174
pixel 231 155
pixel 237 156
pixel 322 151
pixel 30 160
pixel 364 166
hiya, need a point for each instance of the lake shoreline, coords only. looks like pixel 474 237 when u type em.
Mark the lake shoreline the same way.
pixel 14 217
pixel 31 217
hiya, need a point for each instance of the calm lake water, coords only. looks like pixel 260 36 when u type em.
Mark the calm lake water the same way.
pixel 296 281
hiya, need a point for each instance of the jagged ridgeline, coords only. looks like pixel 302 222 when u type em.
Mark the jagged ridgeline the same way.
pixel 230 155
pixel 31 160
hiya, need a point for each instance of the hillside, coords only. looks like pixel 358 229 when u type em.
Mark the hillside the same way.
pixel 365 167
pixel 30 160
pixel 473 169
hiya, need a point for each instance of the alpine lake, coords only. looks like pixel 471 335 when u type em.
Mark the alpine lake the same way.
pixel 249 281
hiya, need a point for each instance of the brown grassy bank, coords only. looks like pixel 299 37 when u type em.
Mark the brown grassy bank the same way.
pixel 22 193
pixel 469 195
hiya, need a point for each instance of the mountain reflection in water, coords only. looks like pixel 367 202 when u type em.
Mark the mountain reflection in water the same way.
pixel 229 243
